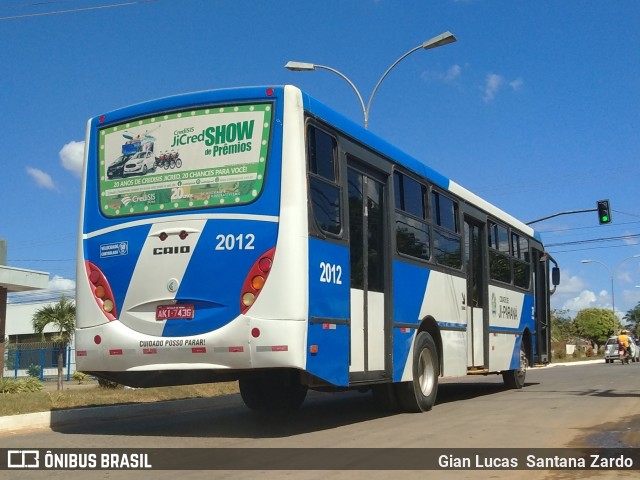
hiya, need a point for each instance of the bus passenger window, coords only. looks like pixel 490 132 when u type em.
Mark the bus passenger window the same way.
pixel 412 231
pixel 521 264
pixel 446 238
pixel 322 154
pixel 499 253
pixel 323 190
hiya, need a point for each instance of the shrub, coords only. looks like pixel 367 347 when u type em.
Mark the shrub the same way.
pixel 34 371
pixel 79 376
pixel 104 383
pixel 22 385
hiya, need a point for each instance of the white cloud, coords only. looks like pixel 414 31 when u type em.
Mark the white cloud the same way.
pixel 516 84
pixel 449 76
pixel 60 283
pixel 72 157
pixel 41 178
pixel 492 84
pixel 586 299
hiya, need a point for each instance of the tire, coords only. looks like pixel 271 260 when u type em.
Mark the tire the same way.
pixel 419 395
pixel 144 170
pixel 172 164
pixel 178 163
pixel 272 391
pixel 515 378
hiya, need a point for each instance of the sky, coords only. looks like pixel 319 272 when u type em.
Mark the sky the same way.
pixel 536 107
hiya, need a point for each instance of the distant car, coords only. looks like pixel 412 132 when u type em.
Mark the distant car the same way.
pixel 611 350
pixel 141 163
pixel 116 169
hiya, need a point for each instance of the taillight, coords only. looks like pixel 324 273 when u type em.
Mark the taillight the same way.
pixel 256 279
pixel 101 290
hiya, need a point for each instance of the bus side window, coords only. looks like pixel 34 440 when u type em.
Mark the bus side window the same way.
pixel 412 231
pixel 323 188
pixel 499 253
pixel 521 262
pixel 446 232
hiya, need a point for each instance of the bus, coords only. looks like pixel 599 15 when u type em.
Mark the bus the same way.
pixel 292 249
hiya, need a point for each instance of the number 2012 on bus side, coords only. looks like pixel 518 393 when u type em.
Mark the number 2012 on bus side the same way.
pixel 330 273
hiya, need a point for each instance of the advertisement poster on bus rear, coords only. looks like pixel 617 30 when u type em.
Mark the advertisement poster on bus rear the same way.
pixel 175 161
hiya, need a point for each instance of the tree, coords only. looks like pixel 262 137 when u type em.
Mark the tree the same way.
pixel 596 324
pixel 561 325
pixel 632 317
pixel 62 316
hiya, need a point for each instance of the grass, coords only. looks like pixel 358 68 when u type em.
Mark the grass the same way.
pixel 94 396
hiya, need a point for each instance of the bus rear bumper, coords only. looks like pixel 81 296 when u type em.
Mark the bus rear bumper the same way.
pixel 117 353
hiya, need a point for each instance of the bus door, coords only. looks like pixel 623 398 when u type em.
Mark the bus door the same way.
pixel 541 307
pixel 477 292
pixel 368 264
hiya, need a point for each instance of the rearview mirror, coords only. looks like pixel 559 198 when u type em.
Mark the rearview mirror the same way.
pixel 555 276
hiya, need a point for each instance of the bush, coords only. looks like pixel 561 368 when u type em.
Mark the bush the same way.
pixel 79 376
pixel 104 383
pixel 560 354
pixel 22 385
pixel 34 371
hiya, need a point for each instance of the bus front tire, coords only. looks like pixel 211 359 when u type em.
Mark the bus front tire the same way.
pixel 419 395
pixel 273 391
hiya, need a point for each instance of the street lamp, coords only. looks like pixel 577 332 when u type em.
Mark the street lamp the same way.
pixel 437 41
pixel 613 304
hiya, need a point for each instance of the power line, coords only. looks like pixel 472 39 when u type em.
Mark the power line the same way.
pixel 58 12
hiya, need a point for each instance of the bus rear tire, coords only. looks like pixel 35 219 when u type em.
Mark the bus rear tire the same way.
pixel 419 395
pixel 515 378
pixel 272 391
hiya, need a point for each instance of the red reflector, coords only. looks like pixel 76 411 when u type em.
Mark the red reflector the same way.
pixel 236 349
pixel 149 351
pixel 102 118
pixel 265 264
pixel 117 351
pixel 81 353
pixel 255 332
pixel 183 235
pixel 97 339
pixel 270 92
pixel 163 236
pixel 199 350
pixel 280 348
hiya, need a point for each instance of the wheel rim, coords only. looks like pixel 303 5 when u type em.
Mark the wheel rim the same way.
pixel 426 372
pixel 522 370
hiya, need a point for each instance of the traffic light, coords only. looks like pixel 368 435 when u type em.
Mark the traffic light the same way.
pixel 604 212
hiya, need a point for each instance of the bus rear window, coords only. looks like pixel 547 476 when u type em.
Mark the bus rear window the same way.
pixel 181 160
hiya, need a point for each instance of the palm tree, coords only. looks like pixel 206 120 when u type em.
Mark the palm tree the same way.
pixel 63 317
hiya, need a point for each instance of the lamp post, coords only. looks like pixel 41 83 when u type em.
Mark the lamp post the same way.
pixel 437 41
pixel 613 304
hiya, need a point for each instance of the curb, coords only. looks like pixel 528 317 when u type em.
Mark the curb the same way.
pixel 60 418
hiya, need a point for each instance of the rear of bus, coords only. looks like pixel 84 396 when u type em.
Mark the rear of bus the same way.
pixel 193 246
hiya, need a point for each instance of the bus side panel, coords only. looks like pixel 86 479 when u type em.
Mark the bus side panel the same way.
pixel 329 274
pixel 409 286
pixel 511 313
pixel 445 301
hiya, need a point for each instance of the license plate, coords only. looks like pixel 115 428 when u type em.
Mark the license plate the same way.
pixel 174 312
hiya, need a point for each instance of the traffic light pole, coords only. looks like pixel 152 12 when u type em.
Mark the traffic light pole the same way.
pixel 562 213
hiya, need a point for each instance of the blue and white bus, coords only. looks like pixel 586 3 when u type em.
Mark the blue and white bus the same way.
pixel 288 248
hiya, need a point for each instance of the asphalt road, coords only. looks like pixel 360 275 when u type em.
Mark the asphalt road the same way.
pixel 589 405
